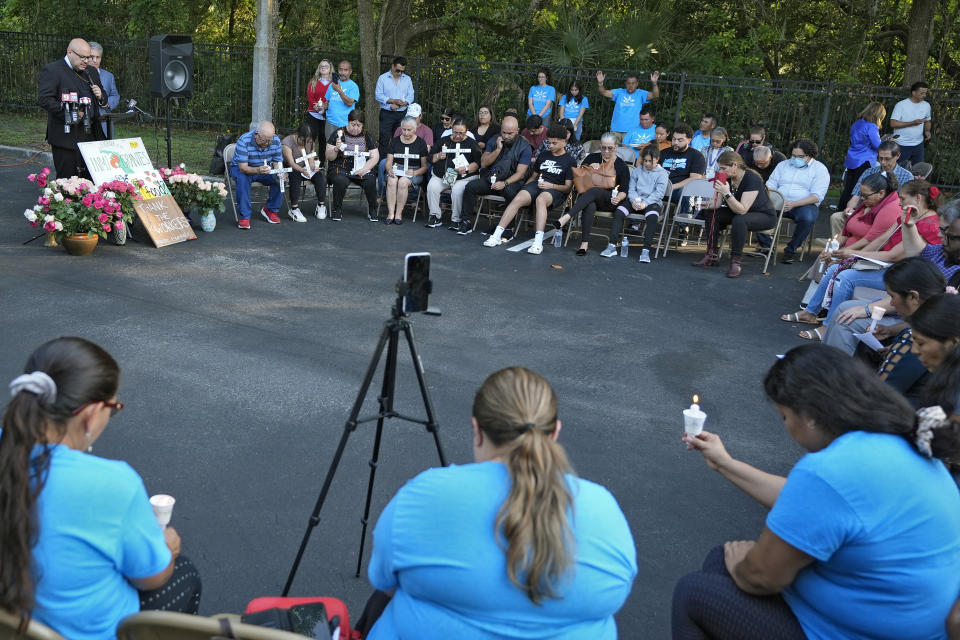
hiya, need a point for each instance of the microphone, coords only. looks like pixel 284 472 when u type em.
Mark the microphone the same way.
pixel 132 106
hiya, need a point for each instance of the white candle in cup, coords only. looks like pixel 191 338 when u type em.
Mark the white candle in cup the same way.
pixel 693 419
pixel 162 508
pixel 875 314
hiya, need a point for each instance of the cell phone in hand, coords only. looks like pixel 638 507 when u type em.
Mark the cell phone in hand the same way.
pixel 721 177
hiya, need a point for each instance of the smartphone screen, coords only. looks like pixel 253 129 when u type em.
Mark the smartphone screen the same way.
pixel 416 273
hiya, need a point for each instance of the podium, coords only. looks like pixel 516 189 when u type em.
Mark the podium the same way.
pixel 110 118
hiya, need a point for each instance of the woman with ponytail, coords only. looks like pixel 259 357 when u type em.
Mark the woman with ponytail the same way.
pixel 512 546
pixel 78 537
pixel 861 538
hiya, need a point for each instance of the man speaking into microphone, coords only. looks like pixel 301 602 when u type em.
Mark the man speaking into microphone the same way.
pixel 72 94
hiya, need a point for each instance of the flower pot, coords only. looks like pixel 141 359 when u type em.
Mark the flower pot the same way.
pixel 119 235
pixel 50 240
pixel 208 220
pixel 81 244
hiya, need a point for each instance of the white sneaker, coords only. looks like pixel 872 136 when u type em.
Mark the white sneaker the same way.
pixel 296 215
pixel 645 256
pixel 610 251
pixel 321 212
pixel 535 249
pixel 492 241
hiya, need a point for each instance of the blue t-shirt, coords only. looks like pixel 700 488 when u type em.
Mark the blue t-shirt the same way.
pixel 96 529
pixel 626 109
pixel 540 96
pixel 572 108
pixel 337 111
pixel 435 544
pixel 699 141
pixel 882 523
pixel 640 136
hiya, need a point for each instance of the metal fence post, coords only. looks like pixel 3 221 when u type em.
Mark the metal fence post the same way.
pixel 826 115
pixel 296 96
pixel 683 82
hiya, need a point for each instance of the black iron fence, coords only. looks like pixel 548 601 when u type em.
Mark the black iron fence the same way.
pixel 223 94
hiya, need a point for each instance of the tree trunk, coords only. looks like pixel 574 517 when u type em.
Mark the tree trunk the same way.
pixel 264 61
pixel 370 64
pixel 919 39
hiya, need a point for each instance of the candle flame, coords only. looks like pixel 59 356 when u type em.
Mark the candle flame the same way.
pixel 696 398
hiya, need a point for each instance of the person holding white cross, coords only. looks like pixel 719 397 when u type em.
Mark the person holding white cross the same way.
pixel 253 160
pixel 300 155
pixel 406 166
pixel 456 160
pixel 353 157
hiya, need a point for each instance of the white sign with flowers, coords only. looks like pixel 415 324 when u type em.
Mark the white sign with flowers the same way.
pixel 126 160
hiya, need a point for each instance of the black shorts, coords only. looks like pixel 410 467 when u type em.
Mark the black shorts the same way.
pixel 535 191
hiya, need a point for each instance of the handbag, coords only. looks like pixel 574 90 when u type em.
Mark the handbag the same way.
pixel 586 177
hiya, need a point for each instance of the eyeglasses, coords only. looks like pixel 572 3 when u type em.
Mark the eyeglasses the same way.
pixel 752 141
pixel 114 405
pixel 607 148
pixel 863 195
pixel 446 118
pixel 80 56
pixel 884 158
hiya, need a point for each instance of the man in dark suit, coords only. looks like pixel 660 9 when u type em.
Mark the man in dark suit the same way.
pixel 71 74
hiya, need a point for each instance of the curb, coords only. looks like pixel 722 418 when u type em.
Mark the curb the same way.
pixel 46 157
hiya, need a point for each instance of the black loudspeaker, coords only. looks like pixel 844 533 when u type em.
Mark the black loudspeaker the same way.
pixel 171 66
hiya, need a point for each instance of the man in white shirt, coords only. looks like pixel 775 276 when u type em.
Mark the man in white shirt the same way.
pixel 803 180
pixel 394 93
pixel 910 120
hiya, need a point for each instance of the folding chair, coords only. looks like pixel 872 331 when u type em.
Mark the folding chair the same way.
pixel 591 145
pixel 489 201
pixel 639 217
pixel 922 169
pixel 10 622
pixel 228 152
pixel 694 188
pixel 528 214
pixel 778 202
pixel 414 195
pixel 576 226
pixel 627 154
pixel 167 625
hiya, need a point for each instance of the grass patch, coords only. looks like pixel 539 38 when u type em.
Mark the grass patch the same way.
pixel 193 147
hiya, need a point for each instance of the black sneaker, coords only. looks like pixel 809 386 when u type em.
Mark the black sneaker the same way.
pixel 454 225
pixel 433 222
pixel 336 216
pixel 507 234
pixel 372 215
pixel 466 228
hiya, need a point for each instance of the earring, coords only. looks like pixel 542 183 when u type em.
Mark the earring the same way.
pixel 89 444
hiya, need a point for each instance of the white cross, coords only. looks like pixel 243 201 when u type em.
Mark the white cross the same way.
pixel 279 171
pixel 305 160
pixel 458 159
pixel 358 156
pixel 406 155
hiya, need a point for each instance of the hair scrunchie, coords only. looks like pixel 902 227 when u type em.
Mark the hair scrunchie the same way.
pixel 38 383
pixel 950 290
pixel 928 418
pixel 934 192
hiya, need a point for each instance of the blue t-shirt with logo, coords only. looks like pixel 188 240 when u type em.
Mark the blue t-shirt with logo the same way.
pixel 626 109
pixel 337 111
pixel 881 523
pixel 540 96
pixel 639 136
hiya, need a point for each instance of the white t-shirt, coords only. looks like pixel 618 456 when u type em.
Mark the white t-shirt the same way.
pixel 905 111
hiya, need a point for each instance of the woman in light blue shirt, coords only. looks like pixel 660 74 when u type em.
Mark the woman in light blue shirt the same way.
pixel 861 538
pixel 541 97
pixel 573 106
pixel 512 546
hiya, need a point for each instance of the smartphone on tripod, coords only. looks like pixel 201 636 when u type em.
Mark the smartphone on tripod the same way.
pixel 416 275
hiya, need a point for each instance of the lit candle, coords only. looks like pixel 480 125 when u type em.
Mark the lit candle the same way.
pixel 693 419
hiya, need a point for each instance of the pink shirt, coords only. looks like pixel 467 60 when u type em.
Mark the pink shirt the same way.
pixel 886 215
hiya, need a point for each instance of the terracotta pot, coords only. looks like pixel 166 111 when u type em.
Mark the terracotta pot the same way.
pixel 81 244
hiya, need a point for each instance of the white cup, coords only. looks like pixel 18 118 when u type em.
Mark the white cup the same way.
pixel 693 420
pixel 162 508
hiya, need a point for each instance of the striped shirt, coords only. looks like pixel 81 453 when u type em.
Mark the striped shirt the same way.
pixel 248 151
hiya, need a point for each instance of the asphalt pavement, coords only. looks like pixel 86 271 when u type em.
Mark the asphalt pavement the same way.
pixel 243 351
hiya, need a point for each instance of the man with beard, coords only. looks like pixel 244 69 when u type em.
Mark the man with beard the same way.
pixel 683 163
pixel 945 256
pixel 504 165
pixel 71 75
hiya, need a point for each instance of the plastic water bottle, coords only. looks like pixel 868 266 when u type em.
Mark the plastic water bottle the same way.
pixel 558 238
pixel 624 247
pixel 616 192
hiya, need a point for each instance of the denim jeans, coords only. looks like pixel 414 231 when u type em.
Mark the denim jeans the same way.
pixel 846 282
pixel 910 155
pixel 805 217
pixel 274 199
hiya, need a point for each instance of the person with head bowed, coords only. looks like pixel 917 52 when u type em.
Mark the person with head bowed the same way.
pixel 864 144
pixel 405 168
pixel 487 127
pixel 861 538
pixel 80 547
pixel 296 149
pixel 573 106
pixel 257 152
pixel 511 546
pixel 353 155
pixel 109 84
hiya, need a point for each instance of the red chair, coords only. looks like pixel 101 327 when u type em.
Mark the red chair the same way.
pixel 333 606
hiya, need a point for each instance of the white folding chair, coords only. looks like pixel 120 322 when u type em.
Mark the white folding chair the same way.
pixel 695 188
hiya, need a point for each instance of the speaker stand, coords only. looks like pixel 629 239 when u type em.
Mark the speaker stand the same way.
pixel 169 161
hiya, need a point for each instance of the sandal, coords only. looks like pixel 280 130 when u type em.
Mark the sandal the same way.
pixel 581 252
pixel 812 334
pixel 795 317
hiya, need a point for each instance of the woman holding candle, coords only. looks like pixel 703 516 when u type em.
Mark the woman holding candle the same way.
pixel 78 537
pixel 317 99
pixel 860 541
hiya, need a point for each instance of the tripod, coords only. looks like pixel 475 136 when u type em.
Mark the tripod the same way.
pixel 389 338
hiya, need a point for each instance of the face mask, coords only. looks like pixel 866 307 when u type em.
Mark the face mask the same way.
pixel 799 163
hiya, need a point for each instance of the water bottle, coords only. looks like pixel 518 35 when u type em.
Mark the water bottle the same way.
pixel 624 247
pixel 616 192
pixel 558 238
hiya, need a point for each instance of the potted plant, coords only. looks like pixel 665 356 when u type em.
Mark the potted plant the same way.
pixel 124 193
pixel 191 191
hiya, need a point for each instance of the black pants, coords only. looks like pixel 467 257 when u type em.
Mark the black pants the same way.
pixel 651 215
pixel 317 132
pixel 481 187
pixel 319 181
pixel 708 605
pixel 739 224
pixel 180 594
pixel 389 121
pixel 69 163
pixel 849 183
pixel 367 182
pixel 588 203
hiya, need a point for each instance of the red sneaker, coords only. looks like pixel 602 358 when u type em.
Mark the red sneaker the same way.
pixel 271 217
pixel 243 223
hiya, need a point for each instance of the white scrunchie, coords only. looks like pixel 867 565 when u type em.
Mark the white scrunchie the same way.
pixel 930 418
pixel 37 383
